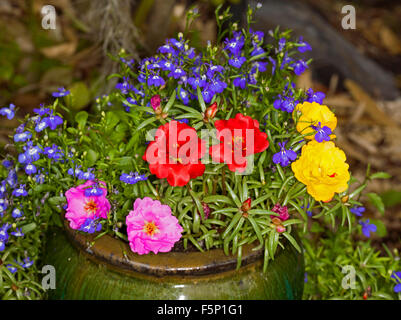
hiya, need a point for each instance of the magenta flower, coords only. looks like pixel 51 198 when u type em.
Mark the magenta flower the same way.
pixel 152 227
pixel 282 211
pixel 81 207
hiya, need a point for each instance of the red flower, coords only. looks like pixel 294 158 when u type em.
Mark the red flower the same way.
pixel 240 137
pixel 175 153
pixel 210 112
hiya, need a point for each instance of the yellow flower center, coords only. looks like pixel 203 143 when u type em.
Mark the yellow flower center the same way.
pixel 90 206
pixel 150 228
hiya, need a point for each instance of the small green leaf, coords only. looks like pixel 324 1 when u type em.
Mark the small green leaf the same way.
pixel 376 201
pixel 380 175
pixel 91 157
pixel 28 227
pixel 81 117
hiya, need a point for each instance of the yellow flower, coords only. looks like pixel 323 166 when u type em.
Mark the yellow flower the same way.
pixel 322 168
pixel 312 114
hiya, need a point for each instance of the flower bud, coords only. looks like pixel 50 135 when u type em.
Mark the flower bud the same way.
pixel 206 209
pixel 246 205
pixel 277 221
pixel 155 102
pixel 210 112
pixel 280 228
pixel 345 199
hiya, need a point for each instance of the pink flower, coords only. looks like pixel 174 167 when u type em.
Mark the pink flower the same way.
pixel 155 101
pixel 152 227
pixel 81 207
pixel 282 211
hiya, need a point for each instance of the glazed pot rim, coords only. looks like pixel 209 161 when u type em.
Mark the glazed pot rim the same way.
pixel 117 253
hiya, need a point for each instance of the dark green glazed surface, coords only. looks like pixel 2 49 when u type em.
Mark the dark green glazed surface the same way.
pixel 108 270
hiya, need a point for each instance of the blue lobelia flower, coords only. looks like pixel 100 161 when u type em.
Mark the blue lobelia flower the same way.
pixel 257 51
pixel 10 267
pixel 286 61
pixel 274 64
pixel 308 212
pixel 7 163
pixel 299 67
pixel 30 169
pixel 167 65
pixel 76 172
pixel 125 87
pixel 24 136
pixel 236 62
pixel 128 63
pixel 17 233
pixel 132 177
pixel 8 112
pixel 197 81
pixel 397 276
pixel 260 66
pixel 240 82
pixel 93 191
pixel 42 110
pixel 12 178
pixel 41 124
pixel 284 156
pixel 286 104
pixel 234 45
pixel 257 35
pixel 91 225
pixel 304 46
pixel 167 48
pixel 3 188
pixel 31 154
pixel 207 94
pixel 213 69
pixel 61 93
pixel 177 73
pixel 155 80
pixel 322 134
pixel 358 211
pixel 53 121
pixel 183 95
pixel 20 191
pixel 53 152
pixel 17 213
pixel 27 263
pixel 281 44
pixel 315 96
pixel 86 175
pixel 217 85
pixel 3 206
pixel 367 227
pixel 186 121
pixel 39 178
pixel 4 233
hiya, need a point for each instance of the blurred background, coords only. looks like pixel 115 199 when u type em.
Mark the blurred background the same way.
pixel 358 69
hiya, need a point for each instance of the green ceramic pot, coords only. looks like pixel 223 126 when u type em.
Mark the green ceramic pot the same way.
pixel 107 269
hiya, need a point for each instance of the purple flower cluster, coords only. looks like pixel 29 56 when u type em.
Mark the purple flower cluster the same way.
pixel 132 177
pixel 81 175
